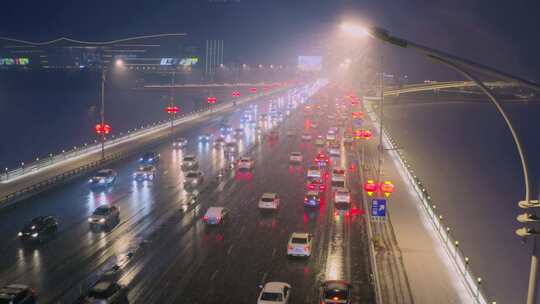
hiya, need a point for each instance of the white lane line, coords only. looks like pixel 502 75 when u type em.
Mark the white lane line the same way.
pixel 214 275
pixel 264 277
pixel 242 230
pixel 165 172
pixel 274 252
pixel 230 249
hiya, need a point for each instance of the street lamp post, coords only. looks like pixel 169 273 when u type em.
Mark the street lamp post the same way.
pixel 102 112
pixel 458 64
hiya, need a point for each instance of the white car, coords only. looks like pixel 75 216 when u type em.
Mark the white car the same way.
pixel 245 163
pixel 274 293
pixel 269 201
pixel 342 196
pixel 299 244
pixel 348 139
pixel 296 157
pixel 331 136
pixel 334 150
pixel 306 136
pixel 145 172
pixel 179 143
pixel 189 162
pixel 338 177
pixel 314 172
pixel 194 178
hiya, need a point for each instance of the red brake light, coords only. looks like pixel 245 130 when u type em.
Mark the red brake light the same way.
pixel 290 247
pixel 205 218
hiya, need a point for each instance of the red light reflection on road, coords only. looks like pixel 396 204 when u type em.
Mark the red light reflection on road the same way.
pixel 243 176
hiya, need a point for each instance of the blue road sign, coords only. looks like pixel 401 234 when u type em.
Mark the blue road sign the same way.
pixel 378 207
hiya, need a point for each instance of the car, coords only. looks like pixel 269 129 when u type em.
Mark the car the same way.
pixel 103 178
pixel 291 133
pixel 322 159
pixel 342 196
pixel 314 183
pixel 189 162
pixel 150 158
pixel 306 136
pixel 335 292
pixel 269 201
pixel 274 293
pixel 179 143
pixel 106 291
pixel 39 229
pixel 319 141
pixel 314 172
pixel 348 139
pixel 314 125
pixel 330 136
pixel 245 163
pixel 104 216
pixel 17 294
pixel 334 150
pixel 238 132
pixel 194 178
pixel 338 177
pixel 299 244
pixel 145 172
pixel 205 138
pixel 219 143
pixel 225 129
pixel 231 148
pixel 312 198
pixel 296 157
pixel 216 215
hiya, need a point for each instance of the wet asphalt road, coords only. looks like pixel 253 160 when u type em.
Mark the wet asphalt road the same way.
pixel 165 252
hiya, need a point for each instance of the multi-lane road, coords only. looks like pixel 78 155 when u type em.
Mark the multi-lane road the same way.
pixel 163 250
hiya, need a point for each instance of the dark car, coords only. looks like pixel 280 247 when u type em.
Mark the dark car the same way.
pixel 150 158
pixel 39 229
pixel 335 292
pixel 106 291
pixel 17 294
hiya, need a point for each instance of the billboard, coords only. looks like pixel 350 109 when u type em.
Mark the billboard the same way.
pixel 310 63
pixel 14 61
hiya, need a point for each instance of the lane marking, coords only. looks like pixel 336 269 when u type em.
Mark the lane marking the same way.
pixel 230 249
pixel 242 230
pixel 264 277
pixel 214 275
pixel 274 252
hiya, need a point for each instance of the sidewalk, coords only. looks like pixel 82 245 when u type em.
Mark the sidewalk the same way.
pixel 431 274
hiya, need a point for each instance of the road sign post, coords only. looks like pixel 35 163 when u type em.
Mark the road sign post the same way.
pixel 378 209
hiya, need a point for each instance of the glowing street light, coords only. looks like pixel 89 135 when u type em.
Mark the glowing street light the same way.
pixel 370 187
pixel 387 187
pixel 354 30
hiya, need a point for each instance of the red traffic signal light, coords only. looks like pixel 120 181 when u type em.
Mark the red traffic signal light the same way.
pixel 387 188
pixel 103 129
pixel 235 94
pixel 253 90
pixel 172 109
pixel 370 187
pixel 211 100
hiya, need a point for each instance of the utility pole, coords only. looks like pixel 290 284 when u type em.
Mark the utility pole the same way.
pixel 381 122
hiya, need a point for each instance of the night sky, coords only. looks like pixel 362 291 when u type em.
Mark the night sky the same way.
pixel 497 33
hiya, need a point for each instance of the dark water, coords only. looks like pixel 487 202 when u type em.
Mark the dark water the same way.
pixel 44 112
pixel 465 155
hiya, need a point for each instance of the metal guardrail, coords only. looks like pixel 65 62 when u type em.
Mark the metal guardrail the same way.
pixel 42 185
pixel 52 159
pixel 461 261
